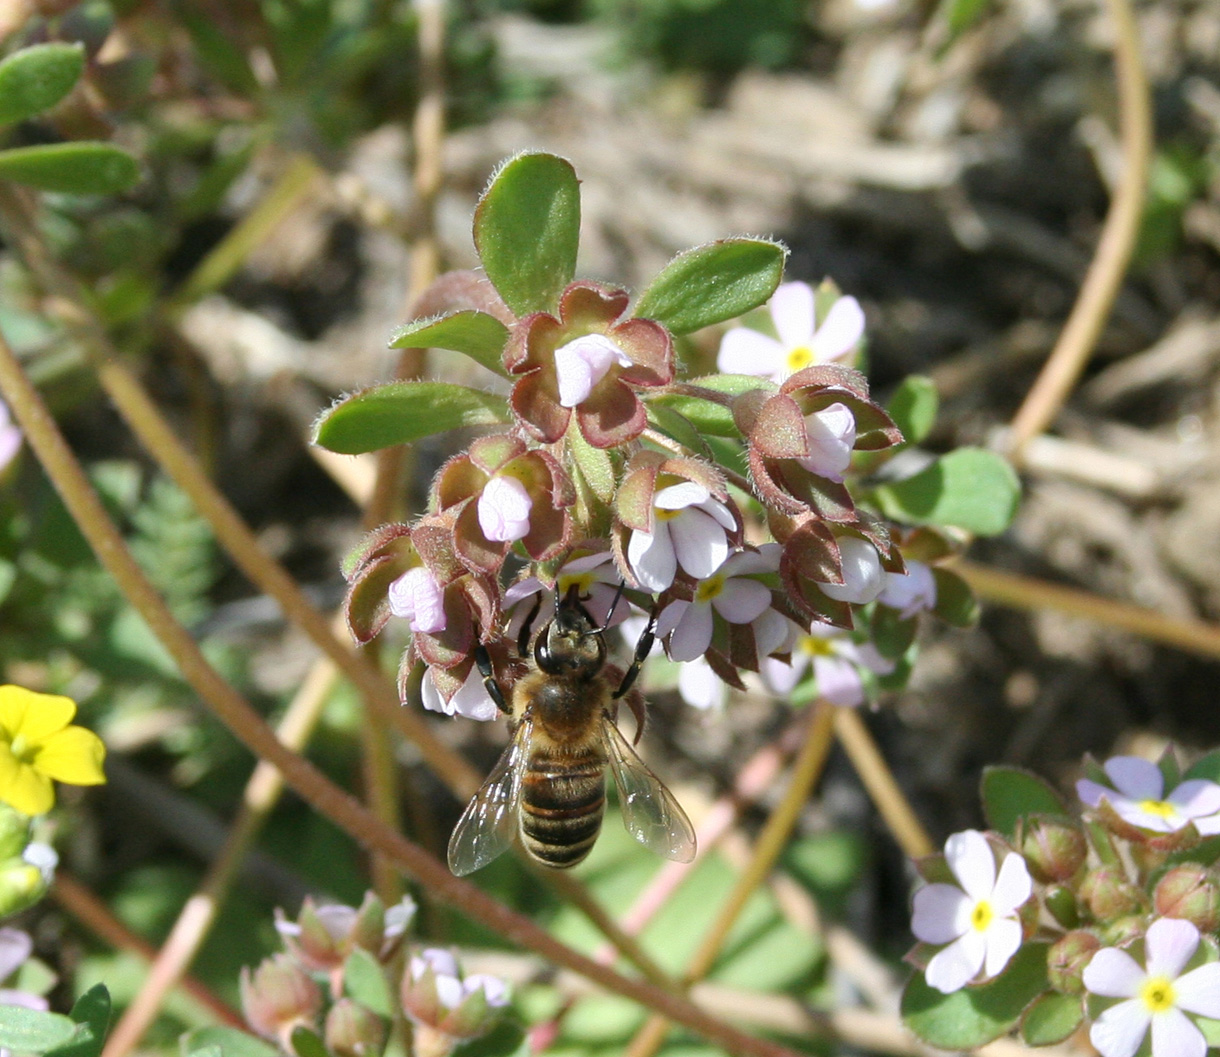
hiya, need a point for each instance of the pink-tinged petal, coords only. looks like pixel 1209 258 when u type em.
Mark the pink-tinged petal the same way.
pixel 23 999
pixel 839 681
pixel 417 597
pixel 1013 886
pixel 1092 793
pixel 1198 991
pixel 720 512
pixel 1174 1034
pixel 910 592
pixel 971 860
pixel 652 558
pixel 700 686
pixel 431 697
pixel 1003 941
pixel 495 990
pixel 953 968
pixel 1170 944
pixel 473 701
pixel 681 495
pixel 770 631
pixel 582 363
pixel 1112 973
pixel 15 947
pixel 870 657
pixel 504 509
pixel 863 576
pixel 741 601
pixel 1135 777
pixel 669 618
pixel 693 635
pixel 792 313
pixel 746 563
pixel 601 597
pixel 842 328
pixel 832 436
pixel 1196 798
pixel 1209 826
pixel 10 444
pixel 746 351
pixel 1134 813
pixel 1120 1029
pixel 781 676
pixel 940 913
pixel 699 543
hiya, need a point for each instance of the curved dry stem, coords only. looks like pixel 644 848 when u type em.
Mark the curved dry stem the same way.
pixel 771 841
pixel 1109 264
pixel 312 785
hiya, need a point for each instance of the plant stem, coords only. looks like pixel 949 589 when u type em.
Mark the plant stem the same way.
pixel 1105 274
pixel 312 785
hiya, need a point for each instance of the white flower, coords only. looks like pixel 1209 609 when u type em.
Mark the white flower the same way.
pixel 451 988
pixel 863 577
pixel 838 663
pixel 10 437
pixel 730 592
pixel 504 509
pixel 596 579
pixel 699 686
pixel 582 363
pixel 15 947
pixel 832 436
pixel 979 920
pixel 1159 997
pixel 471 699
pixel 1138 797
pixel 417 597
pixel 802 342
pixel 689 529
pixel 910 592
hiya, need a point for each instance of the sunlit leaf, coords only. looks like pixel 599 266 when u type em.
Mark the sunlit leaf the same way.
pixel 83 167
pixel 36 78
pixel 969 488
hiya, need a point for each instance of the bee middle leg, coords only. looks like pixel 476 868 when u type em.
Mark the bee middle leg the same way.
pixel 483 660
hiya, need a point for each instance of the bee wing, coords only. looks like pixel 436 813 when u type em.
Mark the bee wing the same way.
pixel 489 822
pixel 650 812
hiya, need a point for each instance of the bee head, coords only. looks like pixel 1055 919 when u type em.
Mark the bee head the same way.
pixel 570 643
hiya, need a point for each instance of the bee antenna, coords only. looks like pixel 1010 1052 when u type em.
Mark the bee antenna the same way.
pixel 622 586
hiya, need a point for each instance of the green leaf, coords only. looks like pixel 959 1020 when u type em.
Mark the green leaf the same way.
pixel 712 283
pixel 709 416
pixel 1207 767
pixel 1051 1019
pixel 92 1015
pixel 32 1031
pixel 677 427
pixel 36 78
pixel 527 229
pixel 960 15
pixel 955 602
pixel 970 488
pixel 83 167
pixel 478 335
pixel 506 1039
pixel 364 980
pixel 307 1043
pixel 973 1016
pixel 1009 793
pixel 230 1041
pixel 913 407
pixel 401 412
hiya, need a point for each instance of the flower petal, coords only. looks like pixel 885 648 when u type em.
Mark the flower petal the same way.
pixel 700 686
pixel 1120 1029
pixel 1112 973
pixel 1092 793
pixel 959 963
pixel 652 559
pixel 24 788
pixel 15 947
pixel 1003 940
pixel 746 351
pixel 741 601
pixel 473 701
pixel 34 715
pixel 781 676
pixel 842 328
pixel 863 577
pixel 1196 798
pixel 1135 777
pixel 831 433
pixel 681 495
pixel 1170 943
pixel 1013 886
pixel 792 313
pixel 1174 1034
pixel 1198 991
pixel 582 363
pixel 839 681
pixel 940 913
pixel 693 635
pixel 72 755
pixel 972 862
pixel 699 543
pixel 504 510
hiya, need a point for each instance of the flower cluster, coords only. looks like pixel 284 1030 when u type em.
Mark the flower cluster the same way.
pixel 307 988
pixel 1121 906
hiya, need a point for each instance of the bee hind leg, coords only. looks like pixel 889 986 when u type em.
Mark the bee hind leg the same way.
pixel 483 660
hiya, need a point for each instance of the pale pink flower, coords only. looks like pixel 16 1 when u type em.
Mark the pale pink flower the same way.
pixel 863 576
pixel 417 597
pixel 10 437
pixel 689 530
pixel 504 509
pixel 838 662
pixel 582 363
pixel 700 686
pixel 910 592
pixel 729 591
pixel 471 699
pixel 832 436
pixel 803 341
pixel 1138 797
pixel 594 575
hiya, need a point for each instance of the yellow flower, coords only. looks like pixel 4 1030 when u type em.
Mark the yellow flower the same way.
pixel 37 744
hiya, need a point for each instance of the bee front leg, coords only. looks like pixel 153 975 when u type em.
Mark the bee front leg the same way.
pixel 483 659
pixel 643 648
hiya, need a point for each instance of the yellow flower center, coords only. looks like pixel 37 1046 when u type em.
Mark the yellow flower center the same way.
pixel 22 750
pixel 815 647
pixel 1163 808
pixel 584 581
pixel 800 358
pixel 981 915
pixel 709 588
pixel 664 514
pixel 1157 994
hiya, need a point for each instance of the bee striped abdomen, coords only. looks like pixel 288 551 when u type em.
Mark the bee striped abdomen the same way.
pixel 562 803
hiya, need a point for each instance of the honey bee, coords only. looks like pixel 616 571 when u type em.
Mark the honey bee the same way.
pixel 549 785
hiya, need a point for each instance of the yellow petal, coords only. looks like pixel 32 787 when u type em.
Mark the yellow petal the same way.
pixel 23 787
pixel 72 755
pixel 36 716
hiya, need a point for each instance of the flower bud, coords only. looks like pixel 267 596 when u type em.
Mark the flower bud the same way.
pixel 353 1030
pixel 1061 904
pixel 24 879
pixel 278 997
pixel 435 995
pixel 1109 895
pixel 1066 959
pixel 1121 932
pixel 1054 849
pixel 1190 892
pixel 14 832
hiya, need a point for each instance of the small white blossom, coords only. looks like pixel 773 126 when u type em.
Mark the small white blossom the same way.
pixel 1158 997
pixel 863 577
pixel 471 699
pixel 582 363
pixel 689 529
pixel 730 592
pixel 15 947
pixel 504 509
pixel 910 592
pixel 838 661
pixel 418 598
pixel 1138 797
pixel 803 341
pixel 978 920
pixel 596 579
pixel 699 685
pixel 452 989
pixel 832 436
